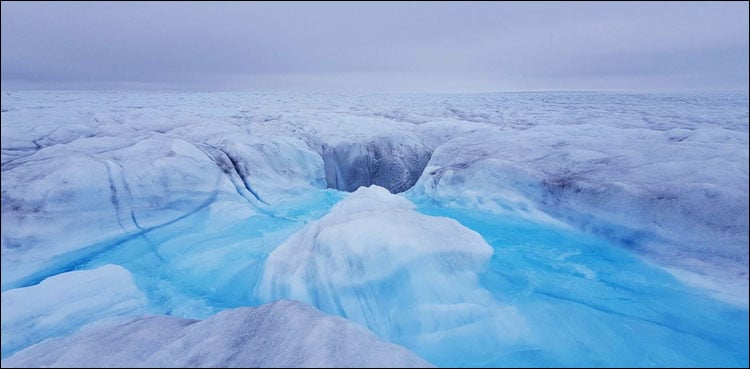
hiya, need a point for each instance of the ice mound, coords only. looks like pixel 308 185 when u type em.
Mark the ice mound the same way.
pixel 61 304
pixel 117 188
pixel 266 169
pixel 408 277
pixel 283 334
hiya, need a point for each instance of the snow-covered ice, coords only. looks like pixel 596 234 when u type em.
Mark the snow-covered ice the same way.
pixel 283 334
pixel 63 303
pixel 409 277
pixel 568 221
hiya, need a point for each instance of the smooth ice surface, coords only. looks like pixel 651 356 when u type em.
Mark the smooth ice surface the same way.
pixel 281 334
pixel 617 224
pixel 586 302
pixel 61 304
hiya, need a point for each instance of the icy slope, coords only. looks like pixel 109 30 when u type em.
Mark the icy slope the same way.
pixel 61 304
pixel 671 189
pixel 281 334
pixel 115 192
pixel 408 277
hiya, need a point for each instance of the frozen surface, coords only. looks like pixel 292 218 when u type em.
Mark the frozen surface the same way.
pixel 284 334
pixel 577 219
pixel 63 303
pixel 409 277
pixel 673 189
pixel 586 302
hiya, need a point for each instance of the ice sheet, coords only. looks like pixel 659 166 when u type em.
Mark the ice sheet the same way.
pixel 190 192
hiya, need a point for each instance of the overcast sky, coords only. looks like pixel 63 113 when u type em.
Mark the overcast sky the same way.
pixel 376 47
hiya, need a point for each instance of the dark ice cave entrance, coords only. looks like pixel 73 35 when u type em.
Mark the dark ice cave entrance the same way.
pixel 394 166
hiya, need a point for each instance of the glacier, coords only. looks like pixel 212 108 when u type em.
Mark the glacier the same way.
pixel 509 229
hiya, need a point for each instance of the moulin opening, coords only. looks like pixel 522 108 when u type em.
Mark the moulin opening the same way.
pixel 395 166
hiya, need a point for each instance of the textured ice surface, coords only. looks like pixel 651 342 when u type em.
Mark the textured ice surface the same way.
pixel 281 334
pixel 409 277
pixel 592 202
pixel 394 162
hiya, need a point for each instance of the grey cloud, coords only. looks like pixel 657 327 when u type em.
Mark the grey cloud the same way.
pixel 453 46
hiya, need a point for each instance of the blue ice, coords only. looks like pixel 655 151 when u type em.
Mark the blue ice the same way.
pixel 589 303
pixel 585 302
